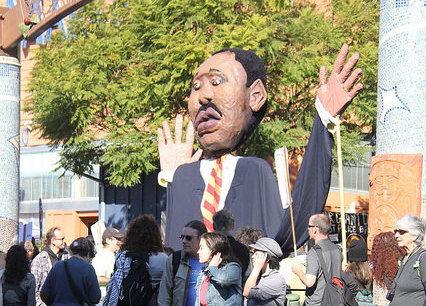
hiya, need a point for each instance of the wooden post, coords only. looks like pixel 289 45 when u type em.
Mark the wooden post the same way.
pixel 342 201
pixel 289 201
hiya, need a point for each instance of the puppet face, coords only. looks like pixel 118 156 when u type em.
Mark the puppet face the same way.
pixel 219 104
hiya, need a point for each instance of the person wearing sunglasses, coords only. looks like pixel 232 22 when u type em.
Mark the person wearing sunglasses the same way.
pixel 53 252
pixel 408 287
pixel 178 283
pixel 319 227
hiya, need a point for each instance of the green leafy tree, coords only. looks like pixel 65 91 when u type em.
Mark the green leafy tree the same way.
pixel 101 90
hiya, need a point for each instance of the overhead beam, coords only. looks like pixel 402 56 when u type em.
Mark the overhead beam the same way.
pixel 11 36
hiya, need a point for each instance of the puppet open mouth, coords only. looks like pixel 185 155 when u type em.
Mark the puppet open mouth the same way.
pixel 206 120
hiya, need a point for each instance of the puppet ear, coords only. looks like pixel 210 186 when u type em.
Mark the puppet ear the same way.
pixel 258 95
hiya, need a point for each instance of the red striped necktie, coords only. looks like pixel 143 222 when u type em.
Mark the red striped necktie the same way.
pixel 212 195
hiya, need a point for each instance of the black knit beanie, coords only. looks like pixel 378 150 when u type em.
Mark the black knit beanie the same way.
pixel 357 250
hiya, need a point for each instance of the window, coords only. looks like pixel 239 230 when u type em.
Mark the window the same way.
pixel 355 178
pixel 51 186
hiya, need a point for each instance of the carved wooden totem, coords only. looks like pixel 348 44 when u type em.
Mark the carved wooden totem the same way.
pixel 395 190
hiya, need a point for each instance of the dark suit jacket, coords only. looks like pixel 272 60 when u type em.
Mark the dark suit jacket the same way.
pixel 253 197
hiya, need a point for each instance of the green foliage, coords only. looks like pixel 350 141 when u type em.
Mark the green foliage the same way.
pixel 102 90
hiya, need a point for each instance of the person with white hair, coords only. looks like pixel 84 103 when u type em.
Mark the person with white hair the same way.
pixel 408 287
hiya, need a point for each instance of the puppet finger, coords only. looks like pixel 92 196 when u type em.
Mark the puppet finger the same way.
pixel 178 128
pixel 323 75
pixel 160 137
pixel 166 129
pixel 190 132
pixel 355 90
pixel 353 78
pixel 349 66
pixel 341 59
pixel 197 155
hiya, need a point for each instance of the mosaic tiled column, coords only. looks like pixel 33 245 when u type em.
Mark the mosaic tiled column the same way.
pixel 401 113
pixel 9 150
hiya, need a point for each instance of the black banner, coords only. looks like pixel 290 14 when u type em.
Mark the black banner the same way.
pixel 355 224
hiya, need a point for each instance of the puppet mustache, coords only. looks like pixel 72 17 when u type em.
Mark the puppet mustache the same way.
pixel 209 105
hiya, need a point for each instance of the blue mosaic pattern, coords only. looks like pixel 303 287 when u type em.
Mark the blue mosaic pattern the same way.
pixel 397 13
pixel 402 3
pixel 9 80
pixel 401 102
pixel 393 103
pixel 9 142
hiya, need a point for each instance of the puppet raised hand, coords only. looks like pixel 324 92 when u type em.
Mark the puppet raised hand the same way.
pixel 336 94
pixel 176 153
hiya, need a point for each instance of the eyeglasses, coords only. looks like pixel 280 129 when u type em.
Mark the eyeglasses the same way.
pixel 187 237
pixel 400 232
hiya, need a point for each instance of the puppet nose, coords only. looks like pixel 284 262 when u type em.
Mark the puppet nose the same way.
pixel 206 95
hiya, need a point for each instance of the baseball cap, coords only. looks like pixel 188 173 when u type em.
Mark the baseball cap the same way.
pixel 269 246
pixel 111 232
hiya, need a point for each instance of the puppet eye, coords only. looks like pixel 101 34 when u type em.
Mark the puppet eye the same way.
pixel 216 81
pixel 196 85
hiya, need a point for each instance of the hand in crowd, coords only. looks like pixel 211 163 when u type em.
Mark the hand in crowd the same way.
pixel 216 260
pixel 259 260
pixel 296 267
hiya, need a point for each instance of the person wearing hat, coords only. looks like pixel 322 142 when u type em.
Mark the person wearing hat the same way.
pixel 270 288
pixel 105 259
pixel 358 275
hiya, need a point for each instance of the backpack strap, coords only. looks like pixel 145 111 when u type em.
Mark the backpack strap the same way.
pixel 176 257
pixel 318 249
pixel 419 266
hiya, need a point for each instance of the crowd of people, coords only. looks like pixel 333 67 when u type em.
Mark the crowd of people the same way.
pixel 215 268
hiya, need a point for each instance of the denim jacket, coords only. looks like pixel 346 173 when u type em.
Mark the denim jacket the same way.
pixel 224 287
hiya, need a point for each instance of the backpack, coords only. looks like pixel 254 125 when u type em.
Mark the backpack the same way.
pixel 136 288
pixel 336 292
pixel 364 297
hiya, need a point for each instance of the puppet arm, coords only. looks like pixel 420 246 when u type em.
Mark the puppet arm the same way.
pixel 174 153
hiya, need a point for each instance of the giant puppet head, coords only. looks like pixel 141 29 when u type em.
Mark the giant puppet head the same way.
pixel 228 99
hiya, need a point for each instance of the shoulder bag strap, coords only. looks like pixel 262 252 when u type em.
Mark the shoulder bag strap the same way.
pixel 74 289
pixel 318 249
pixel 419 267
